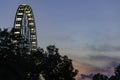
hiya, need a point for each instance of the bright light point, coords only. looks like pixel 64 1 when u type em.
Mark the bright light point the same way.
pixel 19 13
pixel 34 49
pixel 28 12
pixel 17 24
pixel 15 41
pixel 18 19
pixel 30 18
pixel 33 42
pixel 31 23
pixel 17 32
pixel 32 29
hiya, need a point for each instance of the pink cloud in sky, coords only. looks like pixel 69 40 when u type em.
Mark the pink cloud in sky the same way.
pixel 94 64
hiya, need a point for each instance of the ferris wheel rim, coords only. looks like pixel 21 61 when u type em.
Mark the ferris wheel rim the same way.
pixel 22 10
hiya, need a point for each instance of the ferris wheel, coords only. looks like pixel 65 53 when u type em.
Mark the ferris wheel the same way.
pixel 24 25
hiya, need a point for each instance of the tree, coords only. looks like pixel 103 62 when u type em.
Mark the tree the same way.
pixel 53 66
pixel 99 76
pixel 18 65
pixel 113 78
pixel 15 66
pixel 117 71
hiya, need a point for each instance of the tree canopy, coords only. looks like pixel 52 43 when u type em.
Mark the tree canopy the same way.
pixel 17 64
pixel 116 76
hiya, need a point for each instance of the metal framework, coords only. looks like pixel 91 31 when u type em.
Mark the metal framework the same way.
pixel 24 25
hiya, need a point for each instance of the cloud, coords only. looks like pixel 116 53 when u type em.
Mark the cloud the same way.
pixel 84 76
pixel 103 64
pixel 104 47
pixel 94 58
pixel 94 64
pixel 88 50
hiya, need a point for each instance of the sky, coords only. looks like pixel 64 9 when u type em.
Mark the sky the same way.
pixel 88 31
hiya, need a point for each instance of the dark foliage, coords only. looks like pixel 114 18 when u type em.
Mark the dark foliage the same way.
pixel 104 77
pixel 117 71
pixel 53 66
pixel 17 64
pixel 113 78
pixel 100 77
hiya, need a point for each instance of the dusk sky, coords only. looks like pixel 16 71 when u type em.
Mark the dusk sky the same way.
pixel 88 31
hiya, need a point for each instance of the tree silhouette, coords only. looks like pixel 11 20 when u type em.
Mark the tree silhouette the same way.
pixel 117 72
pixel 16 64
pixel 53 66
pixel 99 76
pixel 113 78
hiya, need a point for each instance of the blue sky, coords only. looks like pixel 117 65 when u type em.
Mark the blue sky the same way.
pixel 69 23
pixel 82 28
